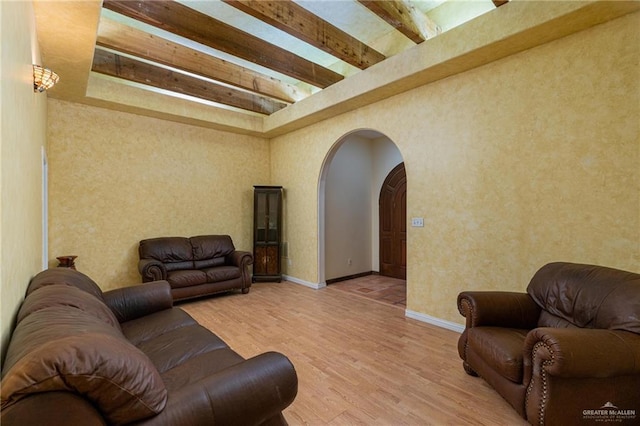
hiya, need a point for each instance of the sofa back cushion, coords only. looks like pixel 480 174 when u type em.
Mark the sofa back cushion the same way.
pixel 174 252
pixel 65 276
pixel 54 295
pixel 64 348
pixel 587 296
pixel 210 250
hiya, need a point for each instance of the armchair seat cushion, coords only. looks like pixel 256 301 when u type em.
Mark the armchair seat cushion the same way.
pixel 501 348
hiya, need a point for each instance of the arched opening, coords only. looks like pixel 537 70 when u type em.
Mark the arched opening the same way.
pixel 351 179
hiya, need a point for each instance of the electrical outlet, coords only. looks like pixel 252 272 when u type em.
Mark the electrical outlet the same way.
pixel 417 221
pixel 349 262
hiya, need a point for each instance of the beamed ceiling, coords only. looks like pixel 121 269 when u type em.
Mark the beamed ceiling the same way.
pixel 268 67
pixel 261 56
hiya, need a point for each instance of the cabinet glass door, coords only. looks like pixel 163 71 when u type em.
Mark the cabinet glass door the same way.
pixel 267 233
pixel 272 218
pixel 261 214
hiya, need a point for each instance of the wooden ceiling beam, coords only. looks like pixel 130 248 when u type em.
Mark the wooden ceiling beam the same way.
pixel 400 16
pixel 300 23
pixel 114 65
pixel 189 23
pixel 499 3
pixel 122 38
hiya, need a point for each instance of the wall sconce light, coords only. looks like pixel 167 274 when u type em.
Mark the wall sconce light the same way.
pixel 43 78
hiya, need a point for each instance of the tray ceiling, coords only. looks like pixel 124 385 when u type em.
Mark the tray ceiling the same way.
pixel 215 64
pixel 259 57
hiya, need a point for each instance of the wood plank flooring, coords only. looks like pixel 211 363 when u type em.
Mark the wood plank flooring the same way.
pixel 391 291
pixel 359 362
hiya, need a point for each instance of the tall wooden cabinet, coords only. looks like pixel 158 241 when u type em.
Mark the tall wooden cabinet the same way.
pixel 267 233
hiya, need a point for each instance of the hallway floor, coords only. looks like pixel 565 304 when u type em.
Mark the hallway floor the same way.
pixel 387 290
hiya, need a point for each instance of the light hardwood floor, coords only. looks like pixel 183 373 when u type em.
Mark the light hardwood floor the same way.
pixel 391 291
pixel 359 362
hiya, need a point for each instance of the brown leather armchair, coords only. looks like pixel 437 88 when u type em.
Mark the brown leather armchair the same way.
pixel 565 352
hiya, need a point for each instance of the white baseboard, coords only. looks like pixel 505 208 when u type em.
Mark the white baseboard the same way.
pixel 434 321
pixel 408 313
pixel 315 286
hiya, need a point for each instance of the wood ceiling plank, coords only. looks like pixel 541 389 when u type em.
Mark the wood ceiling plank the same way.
pixel 189 23
pixel 300 23
pixel 114 65
pixel 397 14
pixel 499 3
pixel 122 38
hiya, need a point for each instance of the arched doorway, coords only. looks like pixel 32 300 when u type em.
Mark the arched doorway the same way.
pixel 340 225
pixel 393 224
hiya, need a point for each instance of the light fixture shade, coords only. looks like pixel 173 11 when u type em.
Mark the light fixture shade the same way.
pixel 43 78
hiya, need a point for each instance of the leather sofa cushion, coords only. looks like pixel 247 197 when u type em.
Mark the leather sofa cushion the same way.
pixel 209 263
pixel 211 246
pixel 153 325
pixel 174 252
pixel 175 347
pixel 222 273
pixel 186 278
pixel 178 266
pixel 64 349
pixel 199 368
pixel 52 295
pixel 64 276
pixel 587 296
pixel 501 348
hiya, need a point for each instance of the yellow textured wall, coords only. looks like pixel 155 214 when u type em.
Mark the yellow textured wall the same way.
pixel 530 159
pixel 22 136
pixel 116 178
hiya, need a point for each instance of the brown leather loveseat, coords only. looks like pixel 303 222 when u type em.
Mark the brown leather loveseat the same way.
pixel 82 357
pixel 567 351
pixel 196 266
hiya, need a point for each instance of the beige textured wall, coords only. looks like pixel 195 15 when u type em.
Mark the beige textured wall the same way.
pixel 117 178
pixel 530 159
pixel 22 136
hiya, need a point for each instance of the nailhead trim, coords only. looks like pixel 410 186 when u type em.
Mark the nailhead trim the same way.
pixel 468 307
pixel 543 375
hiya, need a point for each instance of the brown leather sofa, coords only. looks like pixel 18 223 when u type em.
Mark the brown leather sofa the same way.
pixel 82 357
pixel 196 266
pixel 567 351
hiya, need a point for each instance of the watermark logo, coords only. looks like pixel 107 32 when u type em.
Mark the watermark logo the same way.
pixel 609 413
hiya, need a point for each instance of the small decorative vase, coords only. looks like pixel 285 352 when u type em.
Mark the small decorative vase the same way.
pixel 66 261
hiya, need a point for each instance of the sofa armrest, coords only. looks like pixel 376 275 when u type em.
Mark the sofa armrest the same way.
pixel 240 258
pixel 152 270
pixel 248 393
pixel 498 309
pixel 133 302
pixel 581 352
pixel 52 409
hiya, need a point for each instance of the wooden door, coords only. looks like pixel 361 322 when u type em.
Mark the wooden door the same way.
pixel 393 224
